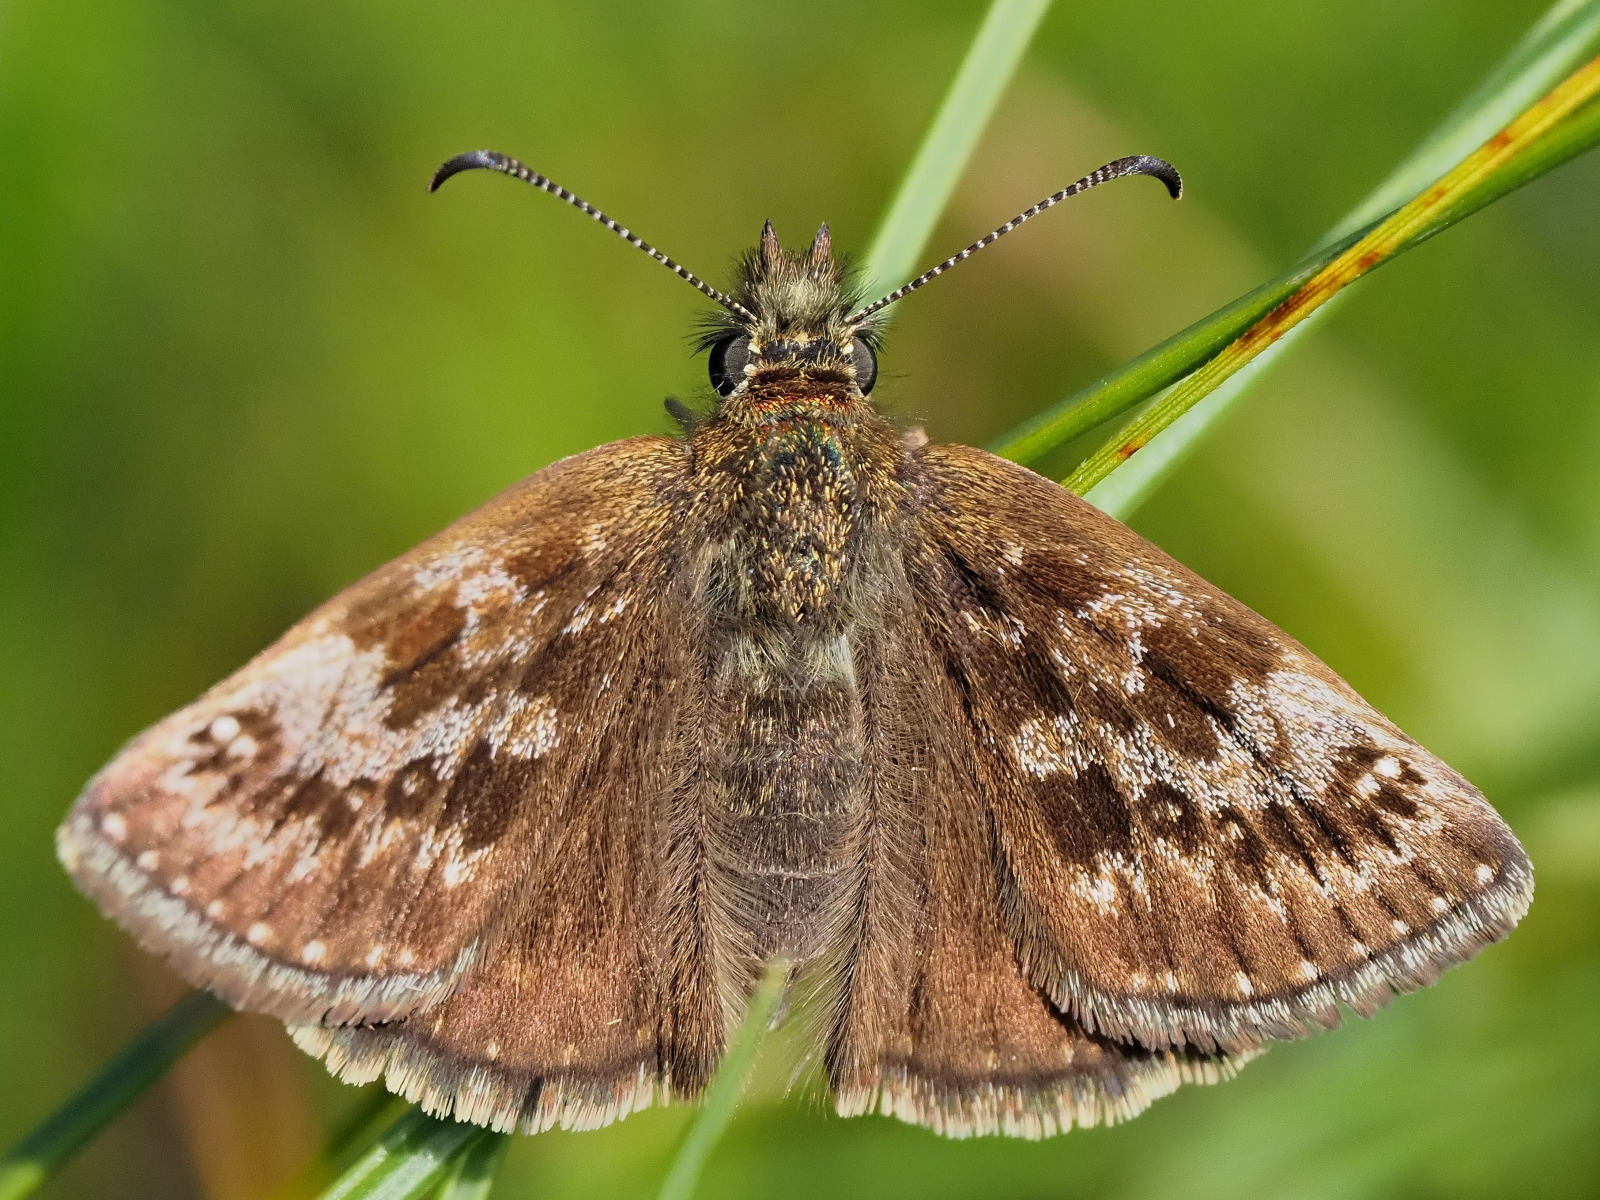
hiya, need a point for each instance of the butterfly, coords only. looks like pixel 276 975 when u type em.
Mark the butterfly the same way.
pixel 1039 823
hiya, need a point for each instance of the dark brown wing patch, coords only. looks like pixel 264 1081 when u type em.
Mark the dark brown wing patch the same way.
pixel 1210 838
pixel 339 831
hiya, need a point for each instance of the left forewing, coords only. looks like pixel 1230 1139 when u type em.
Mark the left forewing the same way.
pixel 1210 839
pixel 339 831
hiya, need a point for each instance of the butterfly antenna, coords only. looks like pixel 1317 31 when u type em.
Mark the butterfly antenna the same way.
pixel 1139 164
pixel 489 160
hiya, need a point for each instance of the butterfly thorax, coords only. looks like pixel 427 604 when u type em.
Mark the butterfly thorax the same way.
pixel 796 461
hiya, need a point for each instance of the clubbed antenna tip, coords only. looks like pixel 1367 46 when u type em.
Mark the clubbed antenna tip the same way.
pixel 472 160
pixel 1159 168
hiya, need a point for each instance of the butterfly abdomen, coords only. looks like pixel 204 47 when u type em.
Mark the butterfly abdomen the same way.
pixel 784 800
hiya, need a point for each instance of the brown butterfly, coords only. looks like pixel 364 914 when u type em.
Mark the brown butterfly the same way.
pixel 1042 823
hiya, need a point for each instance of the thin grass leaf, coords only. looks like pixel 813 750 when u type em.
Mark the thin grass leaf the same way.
pixel 1566 36
pixel 727 1085
pixel 1482 177
pixel 475 1169
pixel 415 1153
pixel 949 142
pixel 140 1063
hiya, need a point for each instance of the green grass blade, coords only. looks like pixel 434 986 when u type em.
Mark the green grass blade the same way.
pixel 413 1155
pixel 1551 131
pixel 949 142
pixel 1574 136
pixel 144 1060
pixel 727 1085
pixel 1567 35
pixel 475 1169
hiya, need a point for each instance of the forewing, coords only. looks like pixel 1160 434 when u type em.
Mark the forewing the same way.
pixel 937 1022
pixel 1210 838
pixel 337 832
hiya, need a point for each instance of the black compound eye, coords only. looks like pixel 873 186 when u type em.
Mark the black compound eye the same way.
pixel 728 359
pixel 866 364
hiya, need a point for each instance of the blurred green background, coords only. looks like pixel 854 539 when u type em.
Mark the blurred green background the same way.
pixel 244 359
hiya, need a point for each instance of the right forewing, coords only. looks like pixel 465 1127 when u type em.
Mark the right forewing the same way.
pixel 1209 839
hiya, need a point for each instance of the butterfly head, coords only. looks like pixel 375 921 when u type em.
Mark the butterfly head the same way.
pixel 791 324
pixel 793 329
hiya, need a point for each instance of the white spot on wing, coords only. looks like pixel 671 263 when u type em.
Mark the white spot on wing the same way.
pixel 1046 747
pixel 1100 891
pixel 258 933
pixel 147 860
pixel 224 729
pixel 114 827
pixel 525 728
pixel 1245 986
pixel 302 868
pixel 449 567
pixel 592 540
pixel 313 952
pixel 1484 873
